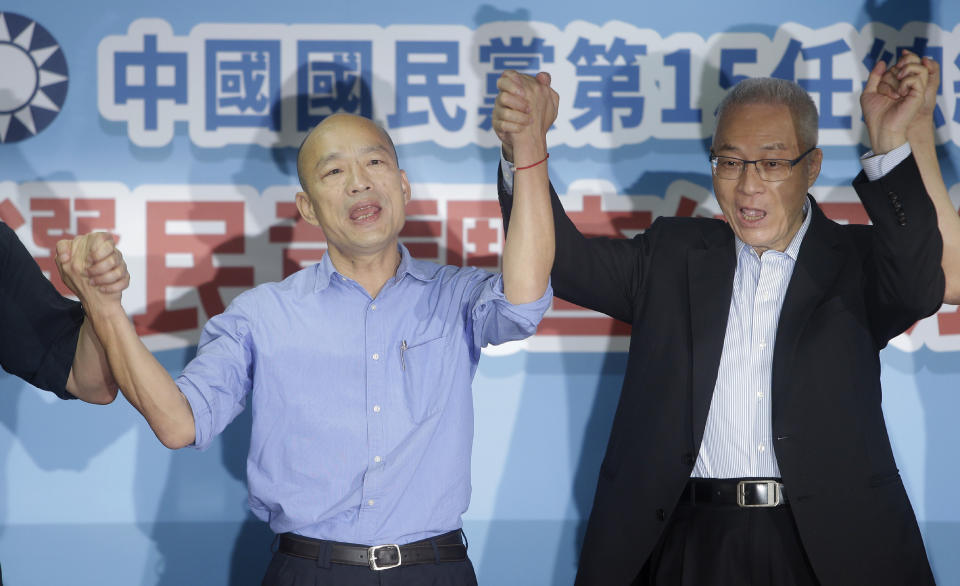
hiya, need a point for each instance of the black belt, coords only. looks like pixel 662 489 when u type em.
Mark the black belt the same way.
pixel 443 548
pixel 747 493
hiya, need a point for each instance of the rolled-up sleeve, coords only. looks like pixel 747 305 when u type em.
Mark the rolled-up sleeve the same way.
pixel 217 381
pixel 496 320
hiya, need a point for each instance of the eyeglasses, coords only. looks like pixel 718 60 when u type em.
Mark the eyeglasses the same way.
pixel 768 169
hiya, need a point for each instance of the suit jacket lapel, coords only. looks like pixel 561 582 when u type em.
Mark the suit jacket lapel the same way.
pixel 816 270
pixel 710 276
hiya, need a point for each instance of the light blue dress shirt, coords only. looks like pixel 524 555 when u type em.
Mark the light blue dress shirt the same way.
pixel 362 408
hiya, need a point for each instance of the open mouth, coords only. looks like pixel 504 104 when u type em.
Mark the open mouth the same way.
pixel 752 214
pixel 363 213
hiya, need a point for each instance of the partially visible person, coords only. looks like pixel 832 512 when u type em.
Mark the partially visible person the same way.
pixel 358 369
pixel 921 134
pixel 44 337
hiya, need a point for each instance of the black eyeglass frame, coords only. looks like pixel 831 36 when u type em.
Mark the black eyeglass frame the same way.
pixel 792 163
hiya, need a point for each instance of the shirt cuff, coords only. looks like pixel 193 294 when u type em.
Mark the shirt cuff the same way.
pixel 507 168
pixel 537 305
pixel 530 312
pixel 200 408
pixel 877 166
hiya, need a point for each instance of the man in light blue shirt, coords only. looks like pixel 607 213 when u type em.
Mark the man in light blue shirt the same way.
pixel 358 368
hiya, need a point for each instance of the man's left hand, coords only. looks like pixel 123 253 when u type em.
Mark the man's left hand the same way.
pixel 891 103
pixel 92 264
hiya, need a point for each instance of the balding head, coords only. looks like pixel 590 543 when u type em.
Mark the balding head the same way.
pixel 353 188
pixel 339 122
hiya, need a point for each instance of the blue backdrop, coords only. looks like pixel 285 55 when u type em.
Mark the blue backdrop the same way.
pixel 175 126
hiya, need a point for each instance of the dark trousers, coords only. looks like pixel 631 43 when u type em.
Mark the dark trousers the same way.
pixel 707 544
pixel 288 570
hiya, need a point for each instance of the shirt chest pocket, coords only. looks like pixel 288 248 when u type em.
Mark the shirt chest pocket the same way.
pixel 423 364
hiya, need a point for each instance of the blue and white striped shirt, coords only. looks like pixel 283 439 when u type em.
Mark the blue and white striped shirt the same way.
pixel 741 397
pixel 738 438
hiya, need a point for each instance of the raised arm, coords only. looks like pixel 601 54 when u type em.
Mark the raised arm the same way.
pixel 143 381
pixel 922 140
pixel 602 274
pixel 920 134
pixel 529 248
pixel 90 378
pixel 907 247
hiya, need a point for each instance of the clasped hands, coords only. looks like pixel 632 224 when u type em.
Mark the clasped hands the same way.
pixel 898 101
pixel 93 267
pixel 523 112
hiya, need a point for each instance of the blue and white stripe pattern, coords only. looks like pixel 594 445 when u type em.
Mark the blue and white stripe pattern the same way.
pixel 737 441
pixel 738 438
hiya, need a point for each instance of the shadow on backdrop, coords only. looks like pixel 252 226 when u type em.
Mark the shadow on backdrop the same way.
pixel 936 372
pixel 93 427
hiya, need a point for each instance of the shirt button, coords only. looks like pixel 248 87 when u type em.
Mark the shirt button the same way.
pixel 376 356
pixel 373 307
pixel 370 502
pixel 763 345
pixel 761 448
pixel 759 394
pixel 376 459
pixel 376 408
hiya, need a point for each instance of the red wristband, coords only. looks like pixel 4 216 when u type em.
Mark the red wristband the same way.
pixel 533 165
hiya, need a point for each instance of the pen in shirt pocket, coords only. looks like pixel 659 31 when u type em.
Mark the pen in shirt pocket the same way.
pixel 403 348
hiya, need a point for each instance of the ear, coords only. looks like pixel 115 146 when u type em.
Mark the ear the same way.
pixel 813 167
pixel 306 208
pixel 405 186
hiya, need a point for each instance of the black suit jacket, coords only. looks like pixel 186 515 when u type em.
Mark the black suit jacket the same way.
pixel 853 288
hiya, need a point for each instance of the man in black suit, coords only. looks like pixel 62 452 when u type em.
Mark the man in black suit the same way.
pixel 749 445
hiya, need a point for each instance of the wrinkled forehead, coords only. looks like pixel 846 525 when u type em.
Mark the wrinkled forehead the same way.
pixel 339 135
pixel 769 125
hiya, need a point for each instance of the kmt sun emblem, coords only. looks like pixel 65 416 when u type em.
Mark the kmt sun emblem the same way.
pixel 33 78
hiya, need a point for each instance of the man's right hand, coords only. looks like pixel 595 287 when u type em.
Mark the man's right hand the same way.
pixel 94 269
pixel 525 108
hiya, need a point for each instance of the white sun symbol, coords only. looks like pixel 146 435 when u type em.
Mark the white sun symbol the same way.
pixel 33 79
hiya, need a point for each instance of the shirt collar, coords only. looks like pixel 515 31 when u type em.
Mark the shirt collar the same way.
pixel 411 266
pixel 794 248
pixel 408 266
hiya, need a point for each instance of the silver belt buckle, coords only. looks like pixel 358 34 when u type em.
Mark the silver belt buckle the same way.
pixel 372 557
pixel 773 493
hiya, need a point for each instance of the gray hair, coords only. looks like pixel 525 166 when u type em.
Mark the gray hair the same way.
pixel 770 90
